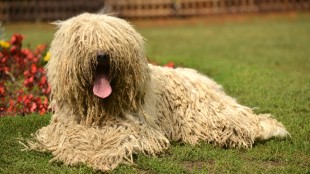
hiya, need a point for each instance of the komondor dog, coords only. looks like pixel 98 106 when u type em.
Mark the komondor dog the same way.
pixel 109 103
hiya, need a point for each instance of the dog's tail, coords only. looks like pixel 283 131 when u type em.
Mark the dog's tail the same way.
pixel 269 127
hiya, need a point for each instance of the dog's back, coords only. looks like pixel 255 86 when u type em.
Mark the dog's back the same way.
pixel 192 107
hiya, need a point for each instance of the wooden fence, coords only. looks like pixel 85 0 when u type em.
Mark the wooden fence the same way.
pixel 169 8
pixel 37 10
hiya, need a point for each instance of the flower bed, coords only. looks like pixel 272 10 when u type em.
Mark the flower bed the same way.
pixel 23 84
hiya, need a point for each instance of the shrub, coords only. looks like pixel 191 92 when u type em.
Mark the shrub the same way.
pixel 23 84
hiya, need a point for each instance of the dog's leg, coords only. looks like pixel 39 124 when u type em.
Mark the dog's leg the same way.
pixel 102 148
pixel 269 127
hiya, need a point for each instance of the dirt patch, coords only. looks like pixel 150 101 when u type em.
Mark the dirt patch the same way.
pixel 271 163
pixel 141 171
pixel 190 166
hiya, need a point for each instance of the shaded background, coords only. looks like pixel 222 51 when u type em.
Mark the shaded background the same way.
pixel 46 10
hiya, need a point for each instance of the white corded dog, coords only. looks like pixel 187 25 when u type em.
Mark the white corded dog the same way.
pixel 109 103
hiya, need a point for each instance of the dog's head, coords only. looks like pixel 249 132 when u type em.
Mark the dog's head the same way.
pixel 97 67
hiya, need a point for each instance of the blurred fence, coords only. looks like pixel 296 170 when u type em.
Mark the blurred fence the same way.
pixel 169 8
pixel 37 10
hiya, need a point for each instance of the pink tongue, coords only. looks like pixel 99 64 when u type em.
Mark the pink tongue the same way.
pixel 102 87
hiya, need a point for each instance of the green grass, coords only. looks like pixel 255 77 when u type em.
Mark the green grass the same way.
pixel 263 62
pixel 34 34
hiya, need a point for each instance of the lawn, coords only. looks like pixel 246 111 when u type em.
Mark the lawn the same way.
pixel 264 62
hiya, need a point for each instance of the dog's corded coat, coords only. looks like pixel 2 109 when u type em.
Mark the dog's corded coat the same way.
pixel 149 105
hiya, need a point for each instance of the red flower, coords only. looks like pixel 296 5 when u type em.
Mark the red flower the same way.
pixel 33 107
pixel 26 73
pixel 169 64
pixel 42 111
pixel 19 99
pixel 11 106
pixel 13 49
pixel 43 81
pixel 33 69
pixel 2 91
pixel 17 39
pixel 40 49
